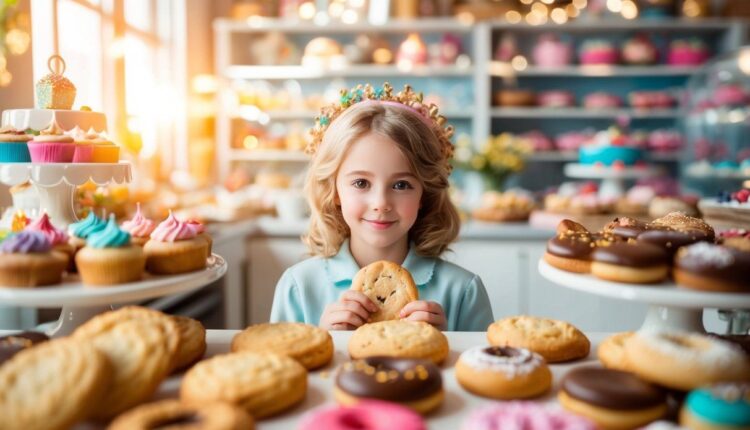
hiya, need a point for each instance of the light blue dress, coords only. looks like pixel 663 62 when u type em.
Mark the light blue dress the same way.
pixel 306 288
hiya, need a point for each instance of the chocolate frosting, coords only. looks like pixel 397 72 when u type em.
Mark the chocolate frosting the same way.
pixel 506 351
pixel 716 262
pixel 391 379
pixel 573 245
pixel 611 389
pixel 12 344
pixel 671 240
pixel 631 254
pixel 626 228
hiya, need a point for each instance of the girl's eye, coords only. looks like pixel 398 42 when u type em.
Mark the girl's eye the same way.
pixel 402 185
pixel 360 183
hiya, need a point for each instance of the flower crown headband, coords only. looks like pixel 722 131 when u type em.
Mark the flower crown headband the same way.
pixel 407 99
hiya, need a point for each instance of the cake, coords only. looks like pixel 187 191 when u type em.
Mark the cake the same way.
pixel 504 207
pixel 610 148
pixel 688 52
pixel 639 51
pixel 602 100
pixel 55 91
pixel 412 51
pixel 323 52
pixel 598 52
pixel 515 97
pixel 550 51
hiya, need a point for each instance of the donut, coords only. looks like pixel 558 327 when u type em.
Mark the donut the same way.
pixel 365 415
pixel 681 222
pixel 414 383
pixel 707 267
pixel 524 415
pixel 637 263
pixel 613 399
pixel 503 372
pixel 571 248
pixel 14 343
pixel 611 351
pixel 388 285
pixel 671 240
pixel 554 340
pixel 741 340
pixel 173 414
pixel 685 361
pixel 625 227
pixel 718 407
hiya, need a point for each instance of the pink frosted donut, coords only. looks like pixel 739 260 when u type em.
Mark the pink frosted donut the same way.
pixel 365 415
pixel 524 415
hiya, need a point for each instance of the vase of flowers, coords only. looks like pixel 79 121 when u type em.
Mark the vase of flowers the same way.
pixel 499 158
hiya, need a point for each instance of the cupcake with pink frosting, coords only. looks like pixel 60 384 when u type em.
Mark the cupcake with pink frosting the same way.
pixel 139 227
pixel 56 237
pixel 200 230
pixel 174 248
pixel 27 260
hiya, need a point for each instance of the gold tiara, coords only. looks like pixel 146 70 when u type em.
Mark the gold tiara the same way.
pixel 406 98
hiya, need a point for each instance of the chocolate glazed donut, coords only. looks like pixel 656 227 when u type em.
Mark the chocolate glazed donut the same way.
pixel 392 379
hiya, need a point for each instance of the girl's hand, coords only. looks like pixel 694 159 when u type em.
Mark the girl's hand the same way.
pixel 351 311
pixel 429 312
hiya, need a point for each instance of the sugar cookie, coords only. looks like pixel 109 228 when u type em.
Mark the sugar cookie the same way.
pixel 399 338
pixel 311 346
pixel 388 285
pixel 554 340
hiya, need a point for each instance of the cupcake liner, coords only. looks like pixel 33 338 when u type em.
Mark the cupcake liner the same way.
pixel 14 152
pixel 106 154
pixel 50 152
pixel 110 266
pixel 164 258
pixel 84 153
pixel 31 270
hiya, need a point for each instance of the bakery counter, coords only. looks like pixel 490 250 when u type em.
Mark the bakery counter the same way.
pixel 456 407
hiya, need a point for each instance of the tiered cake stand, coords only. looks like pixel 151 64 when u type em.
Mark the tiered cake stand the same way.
pixel 613 178
pixel 57 184
pixel 670 307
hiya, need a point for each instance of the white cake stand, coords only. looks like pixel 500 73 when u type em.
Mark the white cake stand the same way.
pixel 57 182
pixel 670 307
pixel 613 178
pixel 79 303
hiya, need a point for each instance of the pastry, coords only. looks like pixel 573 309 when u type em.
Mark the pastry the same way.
pixel 515 97
pixel 524 415
pixel 192 342
pixel 571 248
pixel 718 407
pixel 51 146
pixel 675 230
pixel 662 206
pixel 175 248
pixel 502 372
pixel 311 346
pixel 139 227
pixel 81 230
pixel 27 260
pixel 625 227
pixel 504 207
pixel 84 148
pixel 601 100
pixel 556 99
pixel 13 147
pixel 550 51
pixel 104 151
pixel 598 52
pixel 651 100
pixel 57 238
pixel 414 383
pixel 109 258
pixel 738 239
pixel 730 95
pixel 388 285
pixel 554 340
pixel 707 267
pixel 172 414
pixel 399 338
pixel 636 263
pixel 366 414
pixel 12 344
pixel 611 351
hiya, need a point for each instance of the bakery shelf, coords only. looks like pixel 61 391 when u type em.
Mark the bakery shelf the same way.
pixel 305 72
pixel 620 25
pixel 581 113
pixel 309 115
pixel 259 25
pixel 567 156
pixel 502 69
pixel 269 155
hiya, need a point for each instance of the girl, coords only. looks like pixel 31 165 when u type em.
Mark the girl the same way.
pixel 378 189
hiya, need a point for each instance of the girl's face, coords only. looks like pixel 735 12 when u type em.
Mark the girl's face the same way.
pixel 378 193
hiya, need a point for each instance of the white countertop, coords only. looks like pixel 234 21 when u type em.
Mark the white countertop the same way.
pixel 456 407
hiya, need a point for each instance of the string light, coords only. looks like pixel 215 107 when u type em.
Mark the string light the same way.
pixel 629 9
pixel 538 12
pixel 559 16
pixel 513 16
pixel 614 6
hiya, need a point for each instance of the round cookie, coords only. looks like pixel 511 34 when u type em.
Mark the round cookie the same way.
pixel 502 372
pixel 571 248
pixel 636 263
pixel 398 338
pixel 367 414
pixel 524 415
pixel 611 398
pixel 388 285
pixel 554 340
pixel 263 384
pixel 172 414
pixel 685 361
pixel 411 382
pixel 192 341
pixel 12 344
pixel 53 385
pixel 718 407
pixel 707 267
pixel 611 351
pixel 311 346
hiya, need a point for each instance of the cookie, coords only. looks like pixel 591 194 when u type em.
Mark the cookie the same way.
pixel 192 341
pixel 53 385
pixel 311 346
pixel 554 340
pixel 388 285
pixel 399 338
pixel 261 383
pixel 14 343
pixel 139 351
pixel 611 351
pixel 172 414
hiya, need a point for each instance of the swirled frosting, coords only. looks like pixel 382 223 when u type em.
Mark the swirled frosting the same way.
pixel 43 225
pixel 172 230
pixel 53 133
pixel 110 237
pixel 196 225
pixel 91 224
pixel 139 226
pixel 26 242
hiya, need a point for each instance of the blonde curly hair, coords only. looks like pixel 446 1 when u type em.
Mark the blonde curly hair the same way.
pixel 437 223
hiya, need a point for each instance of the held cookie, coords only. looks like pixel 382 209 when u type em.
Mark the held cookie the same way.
pixel 172 414
pixel 501 372
pixel 707 267
pixel 53 385
pixel 613 399
pixel 398 338
pixel 192 341
pixel 636 263
pixel 261 383
pixel 311 346
pixel 388 285
pixel 611 351
pixel 414 383
pixel 554 340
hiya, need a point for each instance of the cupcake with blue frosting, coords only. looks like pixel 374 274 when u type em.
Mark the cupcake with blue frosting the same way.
pixel 110 258
pixel 27 260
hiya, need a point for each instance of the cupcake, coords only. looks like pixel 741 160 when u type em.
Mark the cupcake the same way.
pixel 104 151
pixel 139 227
pixel 27 260
pixel 599 52
pixel 200 231
pixel 175 248
pixel 52 146
pixel 13 146
pixel 109 258
pixel 81 230
pixel 84 151
pixel 639 51
pixel 57 238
